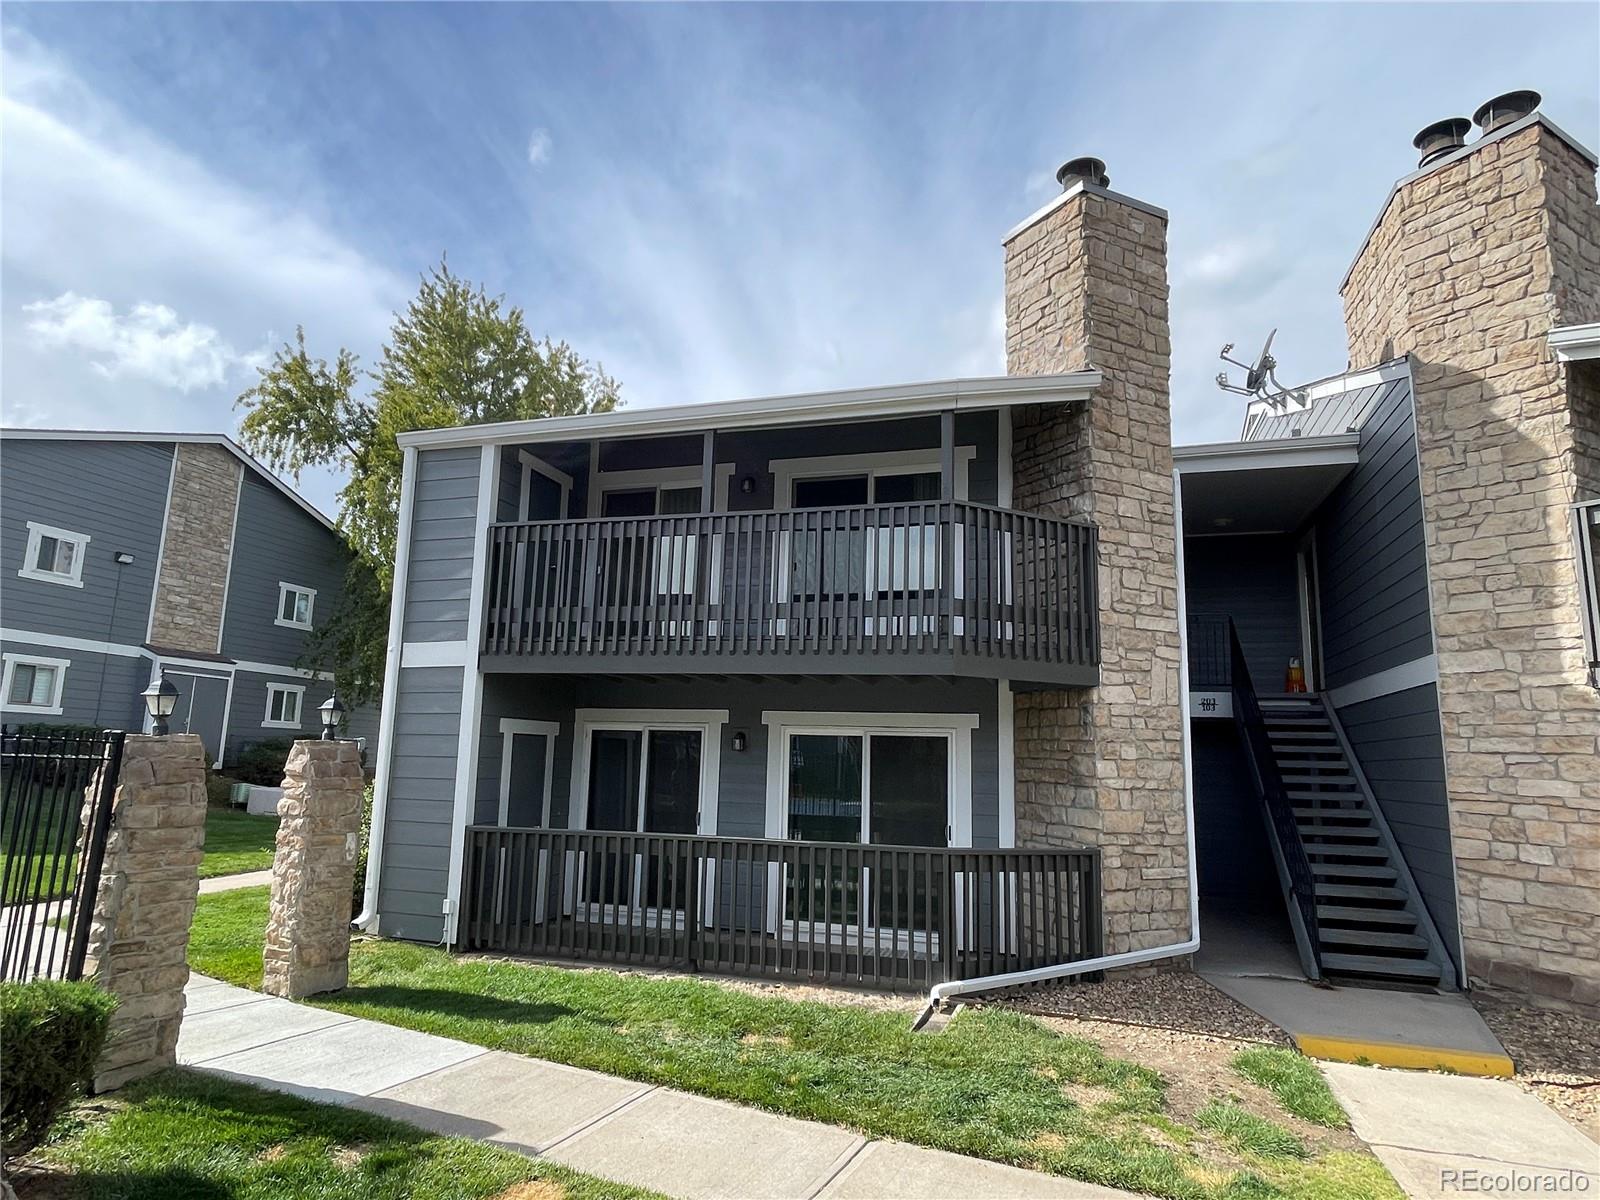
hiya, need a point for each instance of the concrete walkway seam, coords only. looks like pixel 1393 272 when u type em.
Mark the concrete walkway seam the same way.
pixel 584 1127
pixel 200 1062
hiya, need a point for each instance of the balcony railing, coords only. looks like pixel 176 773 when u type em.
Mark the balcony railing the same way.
pixel 962 588
pixel 883 916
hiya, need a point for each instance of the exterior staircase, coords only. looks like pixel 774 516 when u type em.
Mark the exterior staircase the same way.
pixel 1370 925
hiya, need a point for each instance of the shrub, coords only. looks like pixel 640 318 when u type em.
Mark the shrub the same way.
pixel 359 887
pixel 219 789
pixel 261 763
pixel 51 1034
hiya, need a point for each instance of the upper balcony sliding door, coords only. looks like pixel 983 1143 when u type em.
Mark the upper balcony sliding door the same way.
pixel 639 571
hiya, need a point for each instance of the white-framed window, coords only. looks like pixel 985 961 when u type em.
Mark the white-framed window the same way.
pixel 1586 538
pixel 33 685
pixel 295 605
pixel 54 555
pixel 284 701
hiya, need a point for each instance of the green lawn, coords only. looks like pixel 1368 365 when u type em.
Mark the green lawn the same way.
pixel 185 1136
pixel 994 1084
pixel 237 841
pixel 46 860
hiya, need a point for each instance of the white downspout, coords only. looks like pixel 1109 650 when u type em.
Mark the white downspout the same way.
pixel 366 920
pixel 942 992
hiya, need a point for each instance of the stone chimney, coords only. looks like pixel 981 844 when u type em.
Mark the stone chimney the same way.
pixel 1472 262
pixel 1086 287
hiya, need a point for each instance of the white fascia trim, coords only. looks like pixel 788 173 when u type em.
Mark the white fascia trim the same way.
pixel 1417 673
pixel 1331 450
pixel 816 408
pixel 1505 131
pixel 870 722
pixel 367 918
pixel 1576 343
pixel 57 641
pixel 284 589
pixel 708 722
pixel 434 654
pixel 509 728
pixel 227 578
pixel 1093 189
pixel 30 555
pixel 299 693
pixel 12 661
pixel 177 439
pixel 471 728
pixel 161 547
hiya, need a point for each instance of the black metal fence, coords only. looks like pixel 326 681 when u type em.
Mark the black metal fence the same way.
pixel 56 792
pixel 881 916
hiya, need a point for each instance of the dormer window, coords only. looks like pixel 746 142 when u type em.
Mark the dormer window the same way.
pixel 295 605
pixel 54 555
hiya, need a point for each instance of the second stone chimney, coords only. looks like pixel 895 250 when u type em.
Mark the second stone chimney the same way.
pixel 1086 288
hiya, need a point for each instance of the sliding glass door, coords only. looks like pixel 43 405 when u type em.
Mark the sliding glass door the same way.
pixel 641 781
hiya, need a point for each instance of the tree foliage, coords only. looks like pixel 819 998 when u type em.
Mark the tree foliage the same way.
pixel 455 356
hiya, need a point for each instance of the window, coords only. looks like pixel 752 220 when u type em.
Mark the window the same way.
pixel 283 706
pixel 1586 533
pixel 54 555
pixel 295 605
pixel 34 684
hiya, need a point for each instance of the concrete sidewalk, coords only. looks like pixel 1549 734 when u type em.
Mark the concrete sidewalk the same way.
pixel 1448 1135
pixel 231 883
pixel 634 1133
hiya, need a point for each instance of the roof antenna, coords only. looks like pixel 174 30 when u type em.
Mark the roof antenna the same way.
pixel 1258 377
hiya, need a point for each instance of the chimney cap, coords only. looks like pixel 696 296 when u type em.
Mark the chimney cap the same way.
pixel 1441 138
pixel 1505 108
pixel 1086 169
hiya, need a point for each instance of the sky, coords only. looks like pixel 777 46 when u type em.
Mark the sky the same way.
pixel 710 201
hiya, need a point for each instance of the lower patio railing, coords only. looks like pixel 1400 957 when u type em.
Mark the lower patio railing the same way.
pixel 882 916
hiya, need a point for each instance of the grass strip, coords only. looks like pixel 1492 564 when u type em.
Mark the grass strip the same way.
pixel 1296 1082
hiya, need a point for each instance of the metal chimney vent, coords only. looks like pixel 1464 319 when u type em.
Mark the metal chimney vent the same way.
pixel 1441 138
pixel 1083 170
pixel 1503 110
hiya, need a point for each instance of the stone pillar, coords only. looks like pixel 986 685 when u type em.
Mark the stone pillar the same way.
pixel 319 822
pixel 139 940
pixel 1086 287
pixel 1469 268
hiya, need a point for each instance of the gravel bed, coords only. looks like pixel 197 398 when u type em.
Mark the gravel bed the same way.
pixel 1170 1000
pixel 1556 1055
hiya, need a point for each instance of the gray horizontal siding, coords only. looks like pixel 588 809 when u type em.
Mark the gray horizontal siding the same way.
pixel 99 689
pixel 113 492
pixel 1397 742
pixel 1370 552
pixel 277 541
pixel 249 709
pixel 1252 580
pixel 414 877
pixel 438 594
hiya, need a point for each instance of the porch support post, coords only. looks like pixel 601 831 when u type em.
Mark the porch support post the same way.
pixel 708 472
pixel 947 455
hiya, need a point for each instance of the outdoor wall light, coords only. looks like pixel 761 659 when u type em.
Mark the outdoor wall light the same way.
pixel 739 742
pixel 747 485
pixel 332 710
pixel 160 698
pixel 122 558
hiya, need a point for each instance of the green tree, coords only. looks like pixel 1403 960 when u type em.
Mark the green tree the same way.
pixel 455 356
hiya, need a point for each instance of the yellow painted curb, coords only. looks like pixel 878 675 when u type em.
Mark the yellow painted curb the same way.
pixel 1403 1054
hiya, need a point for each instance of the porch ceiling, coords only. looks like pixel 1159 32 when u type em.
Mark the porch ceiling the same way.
pixel 1260 487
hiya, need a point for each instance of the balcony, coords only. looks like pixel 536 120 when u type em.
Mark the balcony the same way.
pixel 925 588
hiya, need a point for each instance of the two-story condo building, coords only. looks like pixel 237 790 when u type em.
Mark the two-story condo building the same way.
pixel 971 680
pixel 125 554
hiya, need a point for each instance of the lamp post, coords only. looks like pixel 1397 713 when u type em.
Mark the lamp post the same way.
pixel 160 698
pixel 332 710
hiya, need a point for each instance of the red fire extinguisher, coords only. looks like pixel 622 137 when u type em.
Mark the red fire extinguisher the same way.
pixel 1295 680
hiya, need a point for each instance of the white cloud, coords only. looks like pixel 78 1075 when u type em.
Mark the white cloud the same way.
pixel 146 342
pixel 539 147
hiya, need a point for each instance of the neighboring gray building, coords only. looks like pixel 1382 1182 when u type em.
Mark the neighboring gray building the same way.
pixel 124 554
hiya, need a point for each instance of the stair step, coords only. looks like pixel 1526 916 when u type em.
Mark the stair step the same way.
pixel 1371 916
pixel 1313 764
pixel 1292 721
pixel 1373 937
pixel 1360 891
pixel 1308 794
pixel 1309 734
pixel 1286 748
pixel 1346 850
pixel 1323 812
pixel 1366 964
pixel 1354 871
pixel 1316 829
pixel 1342 779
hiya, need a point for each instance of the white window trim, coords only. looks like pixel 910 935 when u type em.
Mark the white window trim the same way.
pixel 1588 590
pixel 12 662
pixel 656 478
pixel 889 462
pixel 510 727
pixel 532 464
pixel 30 556
pixel 299 692
pixel 707 721
pixel 311 605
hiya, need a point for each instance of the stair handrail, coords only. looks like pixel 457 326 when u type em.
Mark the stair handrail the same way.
pixel 1293 864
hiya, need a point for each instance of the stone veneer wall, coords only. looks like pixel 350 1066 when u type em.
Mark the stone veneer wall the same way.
pixel 1086 286
pixel 139 939
pixel 198 545
pixel 1467 271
